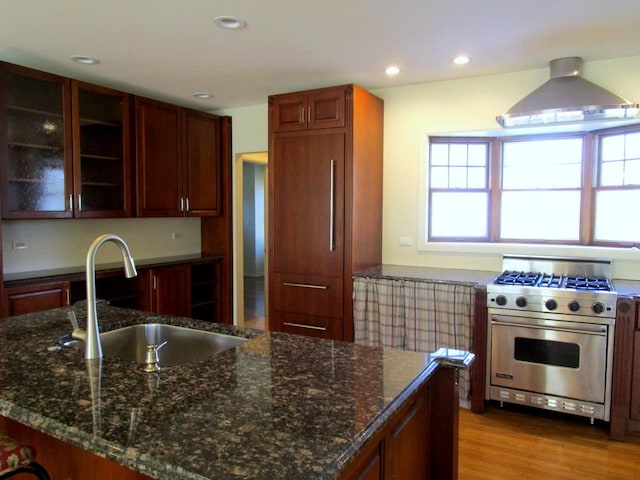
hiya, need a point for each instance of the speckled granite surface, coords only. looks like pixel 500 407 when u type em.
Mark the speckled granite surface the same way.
pixel 277 407
pixel 405 272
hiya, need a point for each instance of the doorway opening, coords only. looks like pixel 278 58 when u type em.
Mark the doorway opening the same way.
pixel 251 240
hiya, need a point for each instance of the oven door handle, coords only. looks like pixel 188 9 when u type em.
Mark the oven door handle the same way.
pixel 593 330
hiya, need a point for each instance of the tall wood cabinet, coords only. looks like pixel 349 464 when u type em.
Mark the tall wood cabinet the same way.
pixel 64 147
pixel 325 206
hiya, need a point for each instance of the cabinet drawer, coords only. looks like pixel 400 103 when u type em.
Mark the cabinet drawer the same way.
pixel 308 294
pixel 298 324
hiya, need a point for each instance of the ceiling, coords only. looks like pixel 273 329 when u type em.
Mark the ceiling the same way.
pixel 170 49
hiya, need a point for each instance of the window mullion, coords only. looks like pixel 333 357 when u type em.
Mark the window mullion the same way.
pixel 495 188
pixel 588 190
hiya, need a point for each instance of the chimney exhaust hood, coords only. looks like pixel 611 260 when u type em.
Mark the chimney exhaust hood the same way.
pixel 567 98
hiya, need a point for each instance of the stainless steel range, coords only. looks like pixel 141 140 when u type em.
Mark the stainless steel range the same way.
pixel 550 334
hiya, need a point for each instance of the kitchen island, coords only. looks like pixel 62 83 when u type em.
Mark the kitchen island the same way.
pixel 278 406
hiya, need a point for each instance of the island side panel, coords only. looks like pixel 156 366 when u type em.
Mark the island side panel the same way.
pixel 65 461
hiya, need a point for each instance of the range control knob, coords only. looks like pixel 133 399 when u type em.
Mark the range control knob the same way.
pixel 597 307
pixel 501 300
pixel 574 306
pixel 551 304
pixel 521 302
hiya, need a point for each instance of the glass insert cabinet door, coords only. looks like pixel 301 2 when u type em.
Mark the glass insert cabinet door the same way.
pixel 100 152
pixel 35 149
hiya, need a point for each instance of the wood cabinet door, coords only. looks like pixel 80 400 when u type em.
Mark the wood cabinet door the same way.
pixel 101 157
pixel 35 298
pixel 312 110
pixel 35 144
pixel 307 204
pixel 171 290
pixel 327 108
pixel 289 112
pixel 158 158
pixel 202 170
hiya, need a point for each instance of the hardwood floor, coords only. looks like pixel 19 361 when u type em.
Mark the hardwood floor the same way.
pixel 514 444
pixel 254 306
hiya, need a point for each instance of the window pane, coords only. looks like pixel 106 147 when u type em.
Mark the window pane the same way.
pixel 611 173
pixel 540 215
pixel 458 154
pixel 477 154
pixel 612 218
pixel 439 177
pixel 477 177
pixel 461 214
pixel 458 177
pixel 632 173
pixel 613 148
pixel 439 154
pixel 542 164
pixel 633 145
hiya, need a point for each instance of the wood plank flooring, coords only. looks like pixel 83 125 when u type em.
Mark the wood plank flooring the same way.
pixel 514 444
pixel 254 306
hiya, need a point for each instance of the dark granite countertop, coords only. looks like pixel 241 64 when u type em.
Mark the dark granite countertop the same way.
pixel 79 270
pixel 448 275
pixel 277 407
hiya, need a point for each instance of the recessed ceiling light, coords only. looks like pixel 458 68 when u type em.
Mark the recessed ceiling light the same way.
pixel 462 60
pixel 84 60
pixel 229 22
pixel 393 70
pixel 202 95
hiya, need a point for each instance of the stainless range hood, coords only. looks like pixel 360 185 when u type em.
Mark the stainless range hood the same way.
pixel 567 98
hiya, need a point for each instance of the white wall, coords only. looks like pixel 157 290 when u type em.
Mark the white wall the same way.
pixel 64 243
pixel 414 111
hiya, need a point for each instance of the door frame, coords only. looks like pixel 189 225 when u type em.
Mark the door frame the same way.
pixel 261 158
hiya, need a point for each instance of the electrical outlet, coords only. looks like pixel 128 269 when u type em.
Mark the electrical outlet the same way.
pixel 19 245
pixel 176 235
pixel 405 241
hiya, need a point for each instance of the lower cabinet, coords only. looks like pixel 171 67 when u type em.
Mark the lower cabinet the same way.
pixel 191 289
pixel 419 441
pixel 35 297
pixel 170 291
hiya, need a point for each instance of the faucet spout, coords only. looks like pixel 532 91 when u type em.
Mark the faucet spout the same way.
pixel 93 346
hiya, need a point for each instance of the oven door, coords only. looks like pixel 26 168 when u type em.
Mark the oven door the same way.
pixel 566 359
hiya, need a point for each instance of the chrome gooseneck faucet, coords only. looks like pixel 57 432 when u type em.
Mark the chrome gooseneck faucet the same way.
pixel 93 347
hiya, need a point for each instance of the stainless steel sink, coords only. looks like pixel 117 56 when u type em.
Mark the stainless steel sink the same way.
pixel 183 345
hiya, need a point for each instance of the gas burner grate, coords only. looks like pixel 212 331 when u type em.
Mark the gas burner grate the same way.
pixel 528 279
pixel 551 281
pixel 588 283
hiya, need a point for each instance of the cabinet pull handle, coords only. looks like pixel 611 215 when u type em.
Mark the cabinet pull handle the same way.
pixel 80 202
pixel 71 202
pixel 304 285
pixel 182 204
pixel 186 204
pixel 155 282
pixel 68 295
pixel 309 114
pixel 332 245
pixel 301 325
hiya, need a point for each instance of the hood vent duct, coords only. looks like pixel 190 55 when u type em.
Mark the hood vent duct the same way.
pixel 567 98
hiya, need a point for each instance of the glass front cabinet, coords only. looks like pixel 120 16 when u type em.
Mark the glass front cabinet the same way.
pixel 64 147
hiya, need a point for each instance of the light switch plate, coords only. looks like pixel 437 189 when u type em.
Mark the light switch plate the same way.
pixel 405 241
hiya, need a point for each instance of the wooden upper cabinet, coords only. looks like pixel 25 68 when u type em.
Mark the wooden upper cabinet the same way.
pixel 202 165
pixel 64 148
pixel 35 143
pixel 308 111
pixel 101 152
pixel 178 161
pixel 158 158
